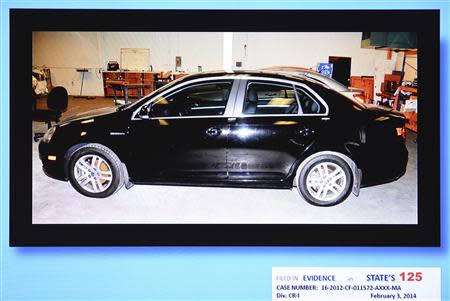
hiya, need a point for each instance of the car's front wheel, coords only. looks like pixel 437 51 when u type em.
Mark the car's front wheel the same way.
pixel 95 171
pixel 325 180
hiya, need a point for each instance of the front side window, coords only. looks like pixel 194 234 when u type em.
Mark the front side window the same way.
pixel 270 99
pixel 204 99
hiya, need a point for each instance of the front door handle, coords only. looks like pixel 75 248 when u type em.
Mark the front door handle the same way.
pixel 213 132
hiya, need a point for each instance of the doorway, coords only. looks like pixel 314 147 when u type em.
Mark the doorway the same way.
pixel 341 69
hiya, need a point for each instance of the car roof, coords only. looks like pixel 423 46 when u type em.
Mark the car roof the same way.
pixel 259 73
pixel 291 69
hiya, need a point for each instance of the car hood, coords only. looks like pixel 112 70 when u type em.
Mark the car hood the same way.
pixel 90 114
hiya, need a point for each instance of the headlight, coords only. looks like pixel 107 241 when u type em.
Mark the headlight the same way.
pixel 49 134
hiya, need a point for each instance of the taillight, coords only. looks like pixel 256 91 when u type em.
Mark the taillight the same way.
pixel 401 132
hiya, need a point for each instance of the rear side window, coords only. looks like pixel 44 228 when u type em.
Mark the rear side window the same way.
pixel 263 98
pixel 309 104
pixel 205 99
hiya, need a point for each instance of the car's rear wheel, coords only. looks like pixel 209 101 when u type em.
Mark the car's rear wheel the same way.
pixel 95 171
pixel 325 181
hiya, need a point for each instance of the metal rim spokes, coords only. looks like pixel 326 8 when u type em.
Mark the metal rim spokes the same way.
pixel 326 181
pixel 93 173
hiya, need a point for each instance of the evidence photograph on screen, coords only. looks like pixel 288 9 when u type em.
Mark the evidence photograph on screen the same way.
pixel 232 134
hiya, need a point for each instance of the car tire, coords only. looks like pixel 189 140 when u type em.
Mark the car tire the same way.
pixel 95 171
pixel 325 180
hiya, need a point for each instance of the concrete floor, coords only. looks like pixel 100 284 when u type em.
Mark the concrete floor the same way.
pixel 56 202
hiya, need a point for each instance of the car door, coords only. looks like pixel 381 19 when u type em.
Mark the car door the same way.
pixel 185 135
pixel 275 124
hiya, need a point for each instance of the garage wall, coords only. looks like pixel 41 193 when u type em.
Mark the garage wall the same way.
pixel 64 52
pixel 195 48
pixel 309 48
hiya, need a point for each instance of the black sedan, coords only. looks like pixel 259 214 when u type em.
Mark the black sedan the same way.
pixel 241 129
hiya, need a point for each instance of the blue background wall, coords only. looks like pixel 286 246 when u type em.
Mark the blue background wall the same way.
pixel 211 273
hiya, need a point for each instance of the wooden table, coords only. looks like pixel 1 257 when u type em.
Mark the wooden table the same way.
pixel 135 77
pixel 124 86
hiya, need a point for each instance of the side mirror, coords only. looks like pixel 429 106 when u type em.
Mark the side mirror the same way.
pixel 144 112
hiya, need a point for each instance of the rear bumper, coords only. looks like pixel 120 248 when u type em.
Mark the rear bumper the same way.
pixel 386 166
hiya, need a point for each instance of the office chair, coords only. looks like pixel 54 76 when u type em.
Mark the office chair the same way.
pixel 57 101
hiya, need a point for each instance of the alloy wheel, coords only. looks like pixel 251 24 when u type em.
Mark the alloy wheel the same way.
pixel 93 173
pixel 326 181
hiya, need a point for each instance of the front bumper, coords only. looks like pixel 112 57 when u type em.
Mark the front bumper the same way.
pixel 52 168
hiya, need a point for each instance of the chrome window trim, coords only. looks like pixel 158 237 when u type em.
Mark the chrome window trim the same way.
pixel 186 117
pixel 241 95
pixel 229 117
pixel 300 109
pixel 176 88
pixel 235 99
pixel 208 108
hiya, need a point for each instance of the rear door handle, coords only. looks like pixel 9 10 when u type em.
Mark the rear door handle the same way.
pixel 306 132
pixel 213 132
